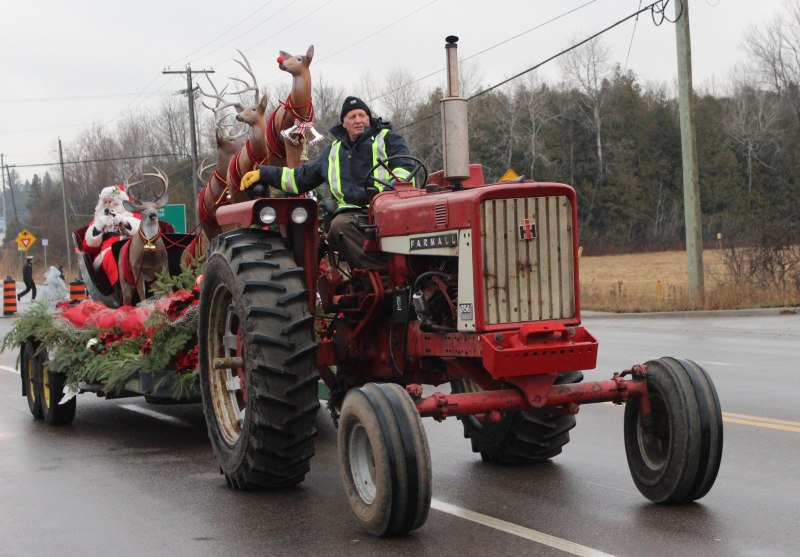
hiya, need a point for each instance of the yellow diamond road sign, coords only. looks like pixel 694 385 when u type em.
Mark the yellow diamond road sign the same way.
pixel 509 176
pixel 25 240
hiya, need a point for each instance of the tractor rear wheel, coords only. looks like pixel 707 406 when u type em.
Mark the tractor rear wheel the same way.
pixel 674 455
pixel 523 437
pixel 52 391
pixel 256 350
pixel 384 459
pixel 30 379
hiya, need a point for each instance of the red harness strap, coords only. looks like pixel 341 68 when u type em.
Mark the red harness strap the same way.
pixel 127 270
pixel 205 214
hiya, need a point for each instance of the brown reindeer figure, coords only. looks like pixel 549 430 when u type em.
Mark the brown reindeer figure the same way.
pixel 144 254
pixel 255 150
pixel 281 140
pixel 294 117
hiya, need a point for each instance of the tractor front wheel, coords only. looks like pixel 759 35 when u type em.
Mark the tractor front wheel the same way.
pixel 256 351
pixel 384 459
pixel 674 453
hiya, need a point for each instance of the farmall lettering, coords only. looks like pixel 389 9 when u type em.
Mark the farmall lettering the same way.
pixel 434 241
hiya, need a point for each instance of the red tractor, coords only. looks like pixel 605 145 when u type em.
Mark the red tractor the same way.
pixel 480 291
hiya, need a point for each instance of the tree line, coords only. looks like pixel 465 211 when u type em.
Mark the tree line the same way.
pixel 615 139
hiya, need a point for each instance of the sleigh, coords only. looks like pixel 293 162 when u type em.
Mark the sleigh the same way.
pixel 99 287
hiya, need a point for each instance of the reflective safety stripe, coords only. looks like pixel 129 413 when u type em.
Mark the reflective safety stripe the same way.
pixel 379 152
pixel 334 170
pixel 334 178
pixel 288 183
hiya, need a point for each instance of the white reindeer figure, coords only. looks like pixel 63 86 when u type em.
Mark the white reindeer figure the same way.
pixel 145 253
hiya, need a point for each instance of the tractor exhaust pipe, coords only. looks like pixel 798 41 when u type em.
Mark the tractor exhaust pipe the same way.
pixel 455 138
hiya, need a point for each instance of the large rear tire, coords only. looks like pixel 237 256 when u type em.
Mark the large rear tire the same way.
pixel 675 458
pixel 51 392
pixel 524 437
pixel 30 379
pixel 256 351
pixel 384 459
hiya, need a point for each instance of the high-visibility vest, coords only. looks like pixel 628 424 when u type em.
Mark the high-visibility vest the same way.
pixel 289 185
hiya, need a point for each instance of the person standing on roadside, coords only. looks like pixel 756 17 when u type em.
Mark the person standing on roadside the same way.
pixel 27 278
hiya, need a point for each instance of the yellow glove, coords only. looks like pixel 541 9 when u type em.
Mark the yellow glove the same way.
pixel 249 179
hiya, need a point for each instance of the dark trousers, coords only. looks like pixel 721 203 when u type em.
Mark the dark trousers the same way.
pixel 29 286
pixel 348 240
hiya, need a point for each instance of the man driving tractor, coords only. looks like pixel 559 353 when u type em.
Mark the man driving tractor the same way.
pixel 359 141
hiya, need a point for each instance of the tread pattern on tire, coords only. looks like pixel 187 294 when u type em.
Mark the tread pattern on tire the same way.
pixel 524 437
pixel 277 444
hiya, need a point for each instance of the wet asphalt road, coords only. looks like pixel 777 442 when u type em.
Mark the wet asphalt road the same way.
pixel 128 478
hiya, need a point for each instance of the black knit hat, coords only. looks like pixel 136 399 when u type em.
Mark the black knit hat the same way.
pixel 352 103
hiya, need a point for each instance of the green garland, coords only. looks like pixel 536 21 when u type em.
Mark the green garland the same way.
pixel 167 354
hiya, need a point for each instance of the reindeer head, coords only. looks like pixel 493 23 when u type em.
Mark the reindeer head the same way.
pixel 295 65
pixel 149 209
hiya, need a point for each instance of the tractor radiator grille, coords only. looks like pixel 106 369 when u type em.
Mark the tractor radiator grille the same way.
pixel 528 269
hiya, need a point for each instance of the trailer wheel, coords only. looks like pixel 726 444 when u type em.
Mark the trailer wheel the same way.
pixel 524 437
pixel 51 392
pixel 675 458
pixel 30 379
pixel 384 459
pixel 256 353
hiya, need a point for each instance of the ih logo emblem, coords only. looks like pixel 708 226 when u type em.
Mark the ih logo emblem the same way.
pixel 527 230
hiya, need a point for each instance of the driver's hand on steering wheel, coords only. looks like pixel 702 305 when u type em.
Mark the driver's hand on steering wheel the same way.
pixel 250 178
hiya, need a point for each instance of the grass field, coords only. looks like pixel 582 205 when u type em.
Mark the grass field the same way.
pixel 659 282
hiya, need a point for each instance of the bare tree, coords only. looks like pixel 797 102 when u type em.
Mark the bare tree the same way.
pixel 585 69
pixel 400 96
pixel 752 123
pixel 776 50
pixel 532 98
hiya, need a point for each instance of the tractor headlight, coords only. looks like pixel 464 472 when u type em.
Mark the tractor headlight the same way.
pixel 267 215
pixel 299 215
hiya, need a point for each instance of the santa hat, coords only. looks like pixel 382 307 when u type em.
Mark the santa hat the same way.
pixel 114 192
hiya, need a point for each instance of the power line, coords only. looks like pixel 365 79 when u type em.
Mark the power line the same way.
pixel 551 58
pixel 249 16
pixel 485 50
pixel 109 159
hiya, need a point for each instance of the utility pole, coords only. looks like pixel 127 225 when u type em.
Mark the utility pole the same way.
pixel 691 186
pixel 64 204
pixel 190 94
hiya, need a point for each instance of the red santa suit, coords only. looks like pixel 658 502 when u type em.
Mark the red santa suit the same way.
pixel 111 222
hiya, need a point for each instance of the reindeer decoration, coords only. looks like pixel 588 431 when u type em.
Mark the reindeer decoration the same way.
pixel 280 140
pixel 294 117
pixel 144 254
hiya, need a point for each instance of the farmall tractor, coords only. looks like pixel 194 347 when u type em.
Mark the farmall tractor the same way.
pixel 480 291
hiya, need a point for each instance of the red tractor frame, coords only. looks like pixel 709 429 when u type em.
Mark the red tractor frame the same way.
pixel 480 291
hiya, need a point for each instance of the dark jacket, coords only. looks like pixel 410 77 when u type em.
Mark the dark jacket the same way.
pixel 355 160
pixel 27 273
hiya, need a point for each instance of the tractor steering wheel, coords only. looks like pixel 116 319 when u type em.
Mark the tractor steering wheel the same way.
pixel 418 169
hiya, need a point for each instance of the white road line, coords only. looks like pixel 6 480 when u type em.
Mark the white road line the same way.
pixel 714 363
pixel 516 530
pixel 157 415
pixel 11 369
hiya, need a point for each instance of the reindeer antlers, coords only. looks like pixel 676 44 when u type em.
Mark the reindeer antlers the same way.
pixel 158 174
pixel 249 70
pixel 127 183
pixel 203 167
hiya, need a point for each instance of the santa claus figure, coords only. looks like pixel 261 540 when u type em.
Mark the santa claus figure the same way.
pixel 111 222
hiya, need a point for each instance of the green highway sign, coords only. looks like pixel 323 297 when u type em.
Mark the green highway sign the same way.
pixel 175 215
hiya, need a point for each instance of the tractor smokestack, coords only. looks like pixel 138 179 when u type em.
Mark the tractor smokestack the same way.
pixel 455 140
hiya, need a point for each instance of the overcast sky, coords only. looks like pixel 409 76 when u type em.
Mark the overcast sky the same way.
pixel 67 65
